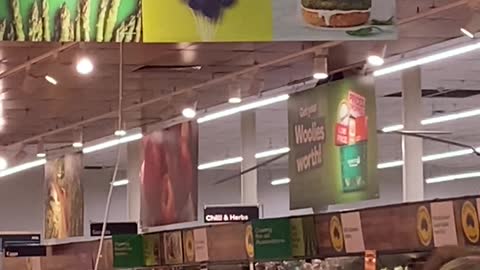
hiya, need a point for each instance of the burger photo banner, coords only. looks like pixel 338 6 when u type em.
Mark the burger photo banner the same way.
pixel 333 144
pixel 267 20
pixel 169 176
pixel 71 20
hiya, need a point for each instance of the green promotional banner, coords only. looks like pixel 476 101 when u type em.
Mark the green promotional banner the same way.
pixel 128 251
pixel 267 20
pixel 333 142
pixel 71 20
pixel 272 239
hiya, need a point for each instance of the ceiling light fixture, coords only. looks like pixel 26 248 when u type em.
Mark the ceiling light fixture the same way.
pixel 119 183
pixel 77 138
pixel 473 25
pixel 320 67
pixel 235 93
pixel 282 181
pixel 376 56
pixel 427 59
pixel 51 80
pixel 452 177
pixel 242 108
pixel 273 152
pixel 433 157
pixel 437 119
pixel 41 150
pixel 189 113
pixel 120 133
pixel 111 143
pixel 23 167
pixel 3 163
pixel 220 163
pixel 234 160
pixel 84 66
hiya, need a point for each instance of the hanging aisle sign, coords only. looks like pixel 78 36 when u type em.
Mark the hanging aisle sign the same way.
pixel 227 213
pixel 333 144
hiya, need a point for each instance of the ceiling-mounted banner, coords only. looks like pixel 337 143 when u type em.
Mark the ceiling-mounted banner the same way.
pixel 333 142
pixel 169 176
pixel 71 20
pixel 267 20
pixel 64 197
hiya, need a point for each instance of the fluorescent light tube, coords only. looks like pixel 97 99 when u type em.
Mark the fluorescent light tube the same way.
pixel 390 164
pixel 437 119
pixel 282 181
pixel 119 183
pixel 398 163
pixel 273 152
pixel 392 128
pixel 427 59
pixel 111 143
pixel 450 117
pixel 234 160
pixel 241 108
pixel 220 163
pixel 22 167
pixel 452 177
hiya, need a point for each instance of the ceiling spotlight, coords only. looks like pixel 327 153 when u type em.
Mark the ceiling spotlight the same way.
pixel 189 112
pixel 235 93
pixel 320 67
pixel 3 163
pixel 77 138
pixel 84 66
pixel 51 80
pixel 120 133
pixel 377 54
pixel 77 145
pixel 41 150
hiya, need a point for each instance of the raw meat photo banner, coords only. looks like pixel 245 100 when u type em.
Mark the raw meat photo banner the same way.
pixel 64 200
pixel 169 176
pixel 333 144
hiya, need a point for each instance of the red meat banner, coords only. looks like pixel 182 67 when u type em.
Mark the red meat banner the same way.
pixel 169 176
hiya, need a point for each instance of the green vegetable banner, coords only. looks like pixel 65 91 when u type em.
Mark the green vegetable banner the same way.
pixel 333 142
pixel 71 20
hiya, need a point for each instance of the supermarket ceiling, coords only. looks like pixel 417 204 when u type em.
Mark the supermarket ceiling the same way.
pixel 33 107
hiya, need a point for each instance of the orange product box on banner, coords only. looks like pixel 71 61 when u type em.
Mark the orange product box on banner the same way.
pixel 341 134
pixel 361 129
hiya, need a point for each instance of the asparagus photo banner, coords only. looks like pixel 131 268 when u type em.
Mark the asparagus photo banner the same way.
pixel 333 144
pixel 268 20
pixel 71 20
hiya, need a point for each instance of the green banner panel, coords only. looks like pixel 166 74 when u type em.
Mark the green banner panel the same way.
pixel 128 251
pixel 272 239
pixel 71 20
